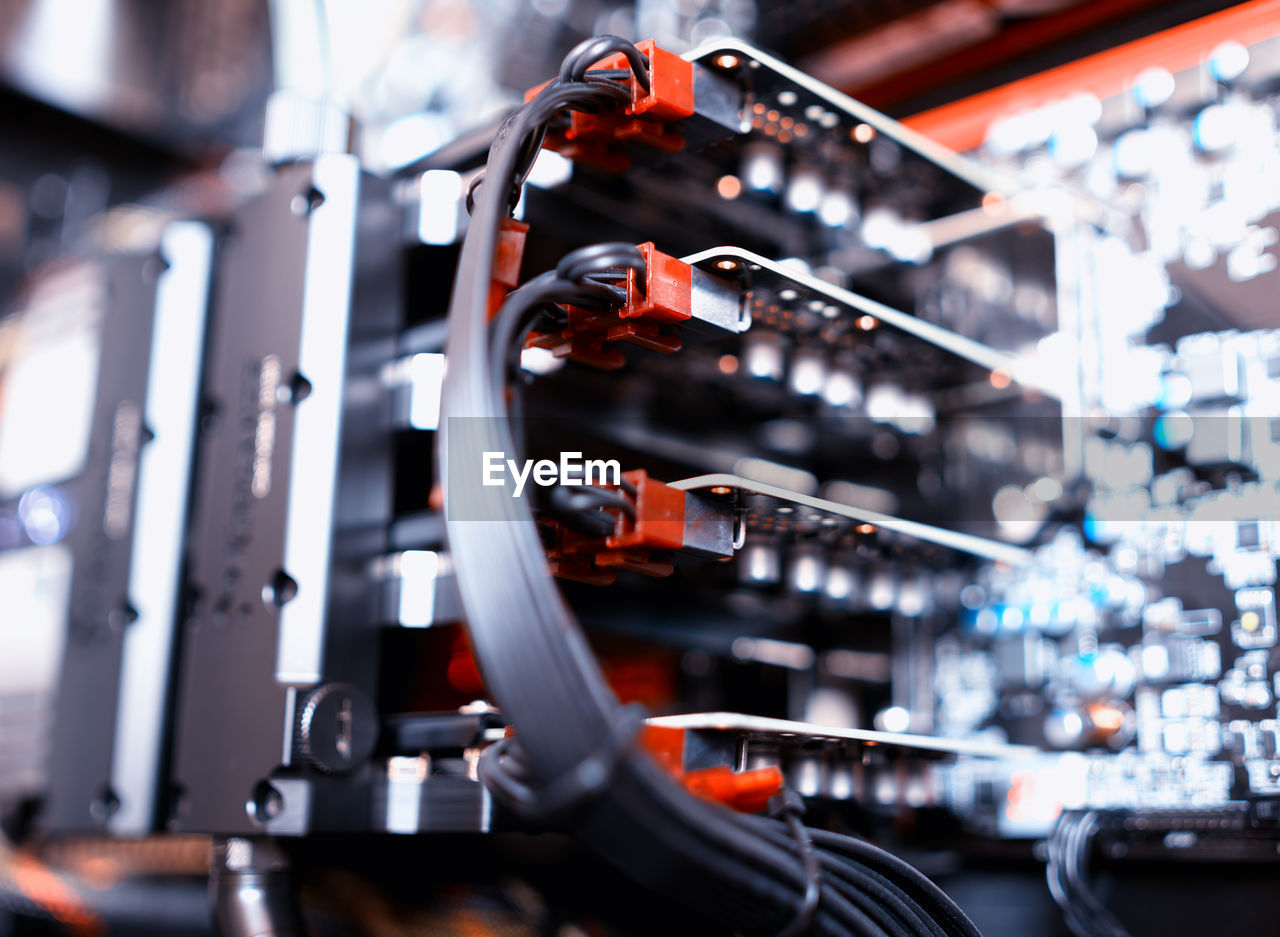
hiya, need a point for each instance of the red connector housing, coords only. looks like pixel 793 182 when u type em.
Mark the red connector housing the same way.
pixel 668 288
pixel 507 258
pixel 744 791
pixel 596 138
pixel 659 524
pixel 667 298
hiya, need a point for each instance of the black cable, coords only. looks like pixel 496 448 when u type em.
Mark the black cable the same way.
pixel 788 805
pixel 873 886
pixel 589 94
pixel 600 258
pixel 936 903
pixel 585 509
pixel 1067 874
pixel 571 283
pixel 586 53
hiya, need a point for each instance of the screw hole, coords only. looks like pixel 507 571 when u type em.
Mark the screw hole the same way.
pixel 265 803
pixel 295 390
pixel 306 202
pixel 280 590
pixel 104 805
pixel 122 616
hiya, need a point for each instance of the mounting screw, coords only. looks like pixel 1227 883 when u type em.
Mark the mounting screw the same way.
pixel 337 728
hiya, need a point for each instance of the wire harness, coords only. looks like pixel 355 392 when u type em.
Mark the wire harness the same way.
pixel 574 761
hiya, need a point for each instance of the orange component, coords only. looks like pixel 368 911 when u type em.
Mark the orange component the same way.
pixel 744 791
pixel 644 319
pixel 658 525
pixel 462 673
pixel 635 560
pixel 584 349
pixel 668 293
pixel 587 333
pixel 49 891
pixel 581 569
pixel 590 152
pixel 533 92
pixel 659 521
pixel 650 134
pixel 593 138
pixel 507 258
pixel 644 677
pixel 670 94
pixel 962 125
pixel 666 745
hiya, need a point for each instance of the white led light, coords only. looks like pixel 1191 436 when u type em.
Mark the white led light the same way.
pixel 893 719
pixel 762 168
pixel 1133 154
pixel 804 191
pixel 808 372
pixel 841 389
pixel 1228 61
pixel 837 209
pixel 426 376
pixel 880 227
pixel 550 169
pixel 1215 127
pixel 1153 87
pixel 1073 145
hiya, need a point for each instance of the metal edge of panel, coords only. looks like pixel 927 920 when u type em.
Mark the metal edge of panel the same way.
pixel 313 464
pixel 956 165
pixel 164 473
pixel 965 543
pixel 982 355
pixel 761 725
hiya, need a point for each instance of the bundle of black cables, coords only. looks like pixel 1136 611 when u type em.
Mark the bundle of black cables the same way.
pixel 572 762
pixel 1068 874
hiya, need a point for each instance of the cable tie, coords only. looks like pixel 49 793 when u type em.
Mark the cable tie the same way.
pixel 571 791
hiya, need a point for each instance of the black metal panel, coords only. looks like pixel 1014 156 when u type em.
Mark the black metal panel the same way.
pixel 79 794
pixel 295 464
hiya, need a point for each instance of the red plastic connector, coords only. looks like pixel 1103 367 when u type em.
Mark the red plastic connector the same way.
pixel 507 258
pixel 666 299
pixel 668 288
pixel 744 791
pixel 597 138
pixel 670 95
pixel 658 525
pixel 659 522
